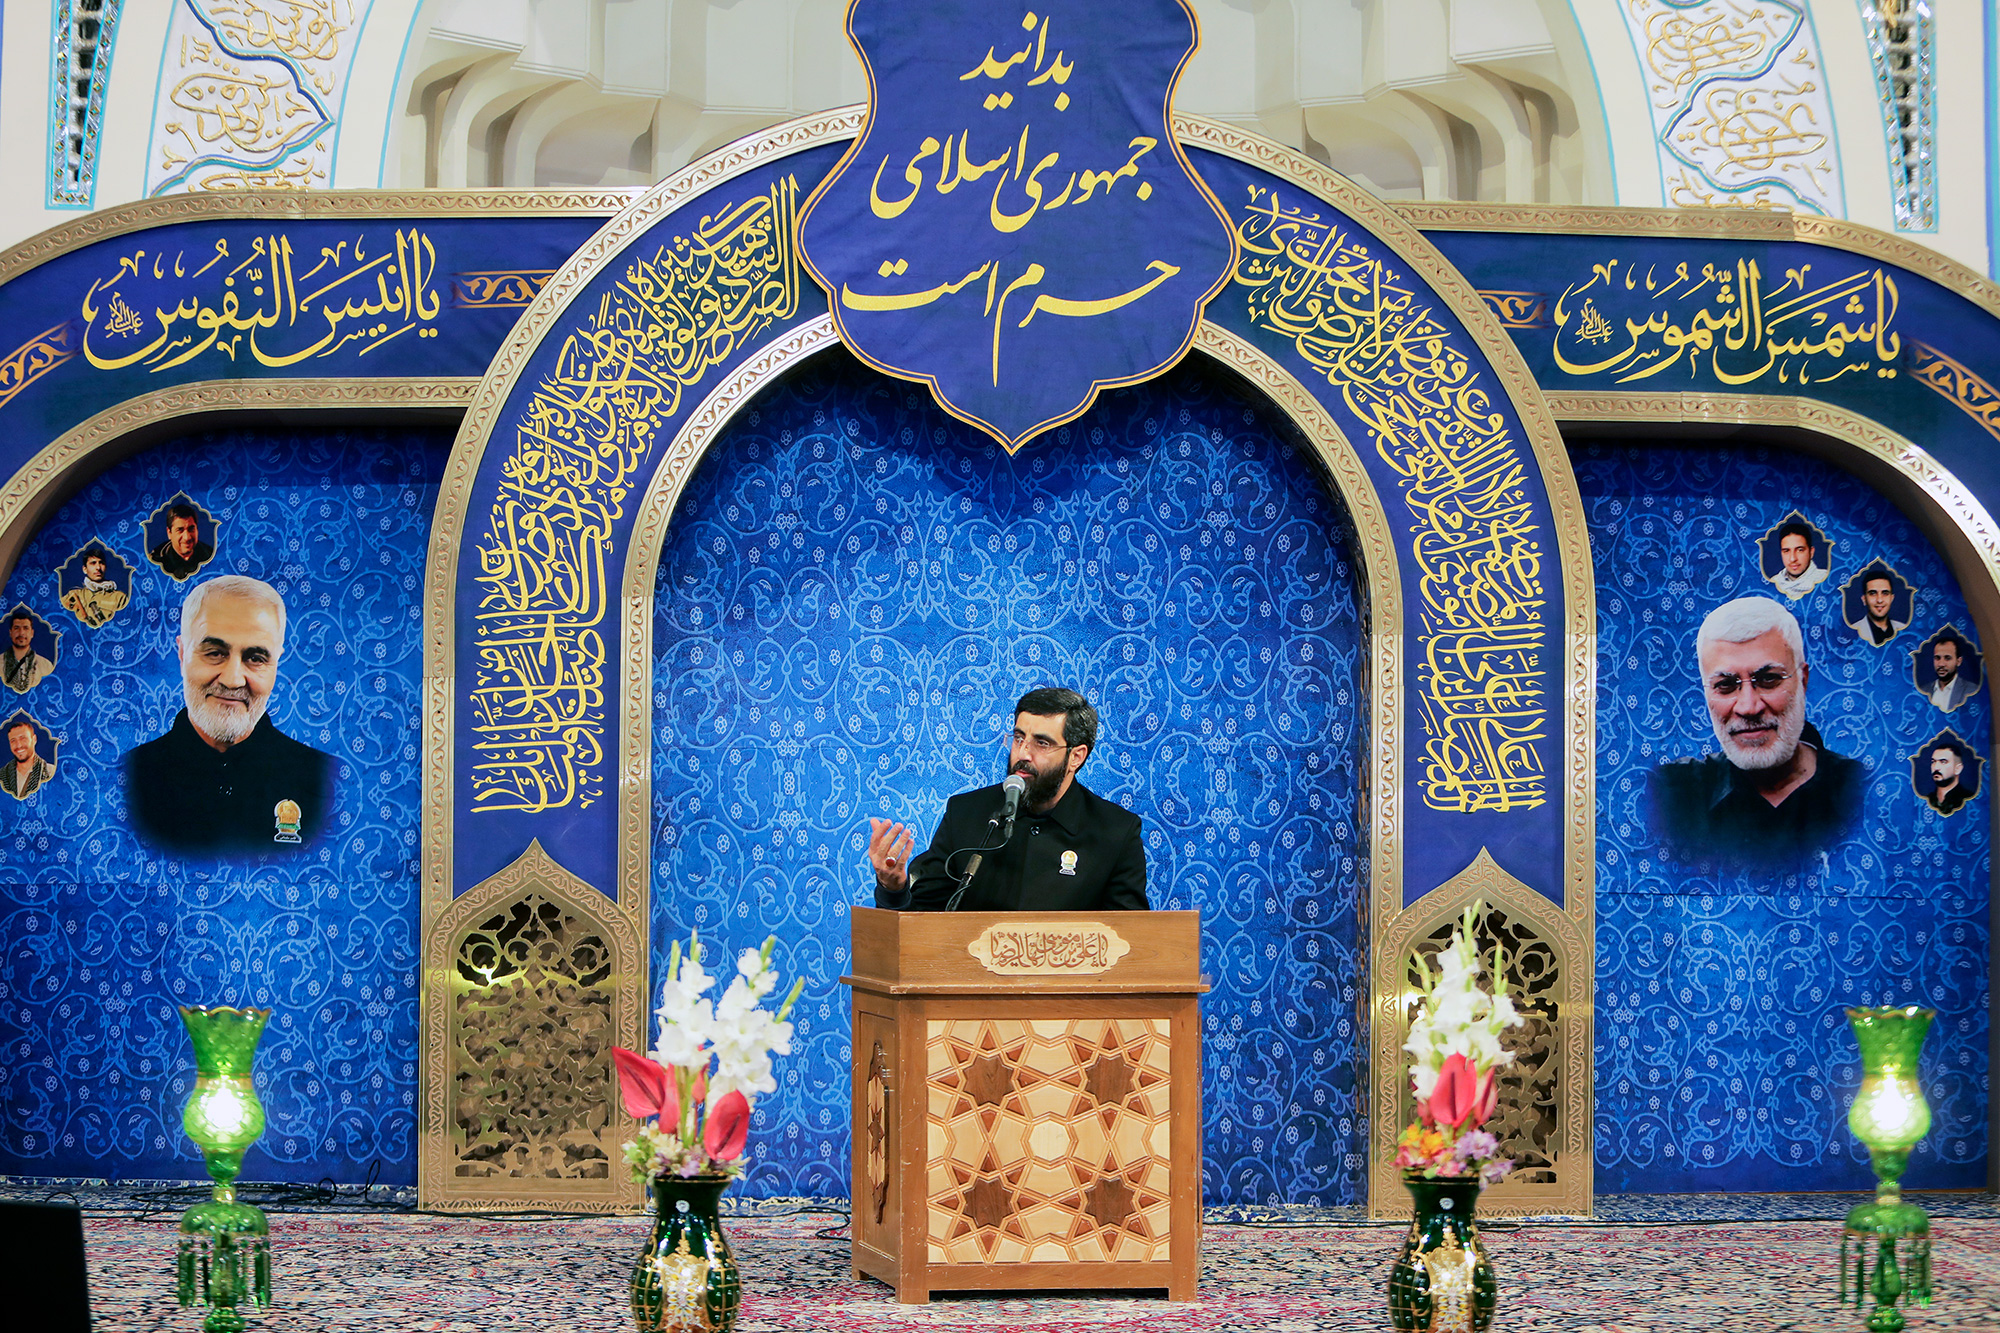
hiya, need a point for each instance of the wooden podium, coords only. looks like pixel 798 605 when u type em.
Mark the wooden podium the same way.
pixel 1027 1100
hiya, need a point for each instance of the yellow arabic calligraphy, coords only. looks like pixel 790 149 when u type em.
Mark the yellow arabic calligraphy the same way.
pixel 1805 334
pixel 1478 550
pixel 957 165
pixel 252 306
pixel 538 680
pixel 996 309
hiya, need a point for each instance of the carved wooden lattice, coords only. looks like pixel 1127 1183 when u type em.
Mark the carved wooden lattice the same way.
pixel 532 1031
pixel 1048 1140
pixel 1527 1120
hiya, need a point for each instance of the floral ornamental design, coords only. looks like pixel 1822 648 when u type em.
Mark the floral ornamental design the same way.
pixel 842 567
pixel 531 1048
pixel 336 519
pixel 1739 104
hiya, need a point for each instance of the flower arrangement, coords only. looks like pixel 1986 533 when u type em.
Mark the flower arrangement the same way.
pixel 697 1122
pixel 1455 1052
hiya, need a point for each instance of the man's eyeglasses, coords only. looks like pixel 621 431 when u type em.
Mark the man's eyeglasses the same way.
pixel 1763 681
pixel 1042 744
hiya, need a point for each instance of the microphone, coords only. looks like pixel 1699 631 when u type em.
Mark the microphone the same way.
pixel 1012 790
pixel 1013 787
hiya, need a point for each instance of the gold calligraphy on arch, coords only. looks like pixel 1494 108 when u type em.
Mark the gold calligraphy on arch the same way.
pixel 1739 102
pixel 266 302
pixel 539 656
pixel 247 92
pixel 1731 321
pixel 1481 681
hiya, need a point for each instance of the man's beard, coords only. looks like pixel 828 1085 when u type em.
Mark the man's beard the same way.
pixel 1791 725
pixel 1946 676
pixel 1042 784
pixel 219 722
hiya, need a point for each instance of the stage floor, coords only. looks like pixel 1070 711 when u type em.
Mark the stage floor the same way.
pixel 1644 1264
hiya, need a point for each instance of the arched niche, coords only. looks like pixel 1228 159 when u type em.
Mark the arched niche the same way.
pixel 584 430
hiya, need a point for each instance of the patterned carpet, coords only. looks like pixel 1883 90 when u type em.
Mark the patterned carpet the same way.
pixel 1623 1272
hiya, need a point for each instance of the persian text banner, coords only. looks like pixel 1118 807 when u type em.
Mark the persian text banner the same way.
pixel 293 298
pixel 1016 225
pixel 1781 319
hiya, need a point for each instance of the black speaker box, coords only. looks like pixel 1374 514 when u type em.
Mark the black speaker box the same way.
pixel 43 1243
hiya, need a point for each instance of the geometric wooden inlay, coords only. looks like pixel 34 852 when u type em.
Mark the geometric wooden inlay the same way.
pixel 877 1131
pixel 1048 1140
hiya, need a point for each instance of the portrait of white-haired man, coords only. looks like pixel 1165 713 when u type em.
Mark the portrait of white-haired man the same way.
pixel 24 771
pixel 1775 795
pixel 1947 669
pixel 224 779
pixel 1876 604
pixel 1946 772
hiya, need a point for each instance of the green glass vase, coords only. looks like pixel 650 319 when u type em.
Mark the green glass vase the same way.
pixel 1890 1116
pixel 1441 1282
pixel 225 1246
pixel 686 1280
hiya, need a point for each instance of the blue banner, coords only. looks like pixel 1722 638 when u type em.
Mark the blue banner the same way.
pixel 1016 225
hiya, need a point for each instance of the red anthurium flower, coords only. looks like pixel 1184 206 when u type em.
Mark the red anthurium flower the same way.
pixel 1485 1097
pixel 646 1085
pixel 700 1093
pixel 728 1127
pixel 1452 1100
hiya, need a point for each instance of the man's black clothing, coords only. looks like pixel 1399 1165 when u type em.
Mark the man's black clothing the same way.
pixel 1946 803
pixel 1082 855
pixel 169 560
pixel 185 796
pixel 1708 810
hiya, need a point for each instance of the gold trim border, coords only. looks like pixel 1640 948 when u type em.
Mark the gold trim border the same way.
pixel 468 450
pixel 1955 503
pixel 304 206
pixel 22 496
pixel 1575 948
pixel 1709 224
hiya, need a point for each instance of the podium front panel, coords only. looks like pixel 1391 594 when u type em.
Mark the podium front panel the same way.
pixel 1027 1100
pixel 1048 1140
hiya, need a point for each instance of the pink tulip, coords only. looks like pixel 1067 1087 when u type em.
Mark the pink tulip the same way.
pixel 646 1085
pixel 728 1127
pixel 1454 1097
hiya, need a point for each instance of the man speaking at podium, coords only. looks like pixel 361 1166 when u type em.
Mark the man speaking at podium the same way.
pixel 1039 842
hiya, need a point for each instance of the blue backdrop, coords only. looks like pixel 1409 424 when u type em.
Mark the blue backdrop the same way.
pixel 103 937
pixel 1723 1058
pixel 854 591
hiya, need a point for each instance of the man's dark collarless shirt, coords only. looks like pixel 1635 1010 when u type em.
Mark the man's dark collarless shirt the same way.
pixel 184 796
pixel 1708 810
pixel 1083 855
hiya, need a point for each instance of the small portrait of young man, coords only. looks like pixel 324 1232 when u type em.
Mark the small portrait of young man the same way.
pixel 1795 556
pixel 1946 772
pixel 180 538
pixel 1876 603
pixel 1946 669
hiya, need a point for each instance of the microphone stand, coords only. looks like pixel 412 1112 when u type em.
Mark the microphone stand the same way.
pixel 972 866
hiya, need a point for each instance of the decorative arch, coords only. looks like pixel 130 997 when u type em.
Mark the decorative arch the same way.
pixel 612 385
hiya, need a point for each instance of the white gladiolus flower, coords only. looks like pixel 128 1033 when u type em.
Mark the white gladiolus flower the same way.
pixel 1455 1016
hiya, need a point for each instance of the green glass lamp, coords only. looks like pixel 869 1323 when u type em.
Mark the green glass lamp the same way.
pixel 225 1246
pixel 1889 1115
